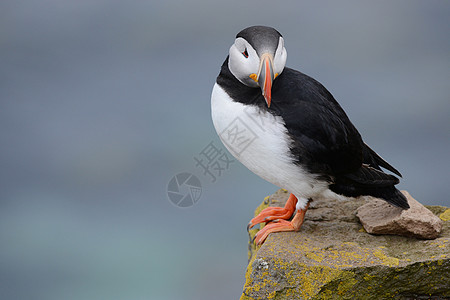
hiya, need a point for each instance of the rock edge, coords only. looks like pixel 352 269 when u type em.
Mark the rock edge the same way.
pixel 333 257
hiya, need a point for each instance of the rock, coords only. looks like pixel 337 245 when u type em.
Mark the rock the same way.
pixel 333 257
pixel 379 217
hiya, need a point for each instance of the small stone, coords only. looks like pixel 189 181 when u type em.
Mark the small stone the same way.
pixel 379 217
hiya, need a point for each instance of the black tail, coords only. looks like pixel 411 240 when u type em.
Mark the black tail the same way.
pixel 368 181
pixel 391 195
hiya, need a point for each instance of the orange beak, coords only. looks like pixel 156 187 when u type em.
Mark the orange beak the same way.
pixel 266 77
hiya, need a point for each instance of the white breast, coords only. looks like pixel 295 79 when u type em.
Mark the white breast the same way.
pixel 260 141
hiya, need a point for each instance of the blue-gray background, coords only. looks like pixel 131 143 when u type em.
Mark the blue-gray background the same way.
pixel 102 102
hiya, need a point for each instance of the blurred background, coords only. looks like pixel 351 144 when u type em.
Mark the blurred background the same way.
pixel 103 102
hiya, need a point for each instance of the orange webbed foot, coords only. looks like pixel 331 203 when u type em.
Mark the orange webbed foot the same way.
pixel 281 225
pixel 275 213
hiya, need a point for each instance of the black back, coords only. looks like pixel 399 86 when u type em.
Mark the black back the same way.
pixel 324 141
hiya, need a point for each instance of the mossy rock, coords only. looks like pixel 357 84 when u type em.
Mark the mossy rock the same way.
pixel 332 257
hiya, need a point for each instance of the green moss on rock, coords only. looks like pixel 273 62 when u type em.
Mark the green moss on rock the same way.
pixel 333 258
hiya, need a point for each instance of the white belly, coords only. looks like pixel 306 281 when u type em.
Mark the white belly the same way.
pixel 261 142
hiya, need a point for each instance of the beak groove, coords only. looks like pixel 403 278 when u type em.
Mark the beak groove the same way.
pixel 266 77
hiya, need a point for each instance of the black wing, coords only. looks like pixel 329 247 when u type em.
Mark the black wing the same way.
pixel 324 139
pixel 373 159
pixel 327 143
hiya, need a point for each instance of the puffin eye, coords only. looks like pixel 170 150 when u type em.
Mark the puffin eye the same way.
pixel 245 53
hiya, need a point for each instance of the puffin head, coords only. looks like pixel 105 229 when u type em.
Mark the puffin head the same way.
pixel 257 57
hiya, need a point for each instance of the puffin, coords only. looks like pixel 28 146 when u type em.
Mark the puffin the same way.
pixel 287 128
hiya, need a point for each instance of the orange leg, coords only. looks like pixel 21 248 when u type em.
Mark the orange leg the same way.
pixel 281 225
pixel 274 213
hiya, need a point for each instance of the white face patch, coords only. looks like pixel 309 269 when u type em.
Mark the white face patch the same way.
pixel 279 60
pixel 244 60
pixel 240 65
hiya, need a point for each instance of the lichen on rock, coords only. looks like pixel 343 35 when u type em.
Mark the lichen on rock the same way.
pixel 333 257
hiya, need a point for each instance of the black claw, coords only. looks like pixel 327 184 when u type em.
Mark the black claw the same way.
pixel 253 239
